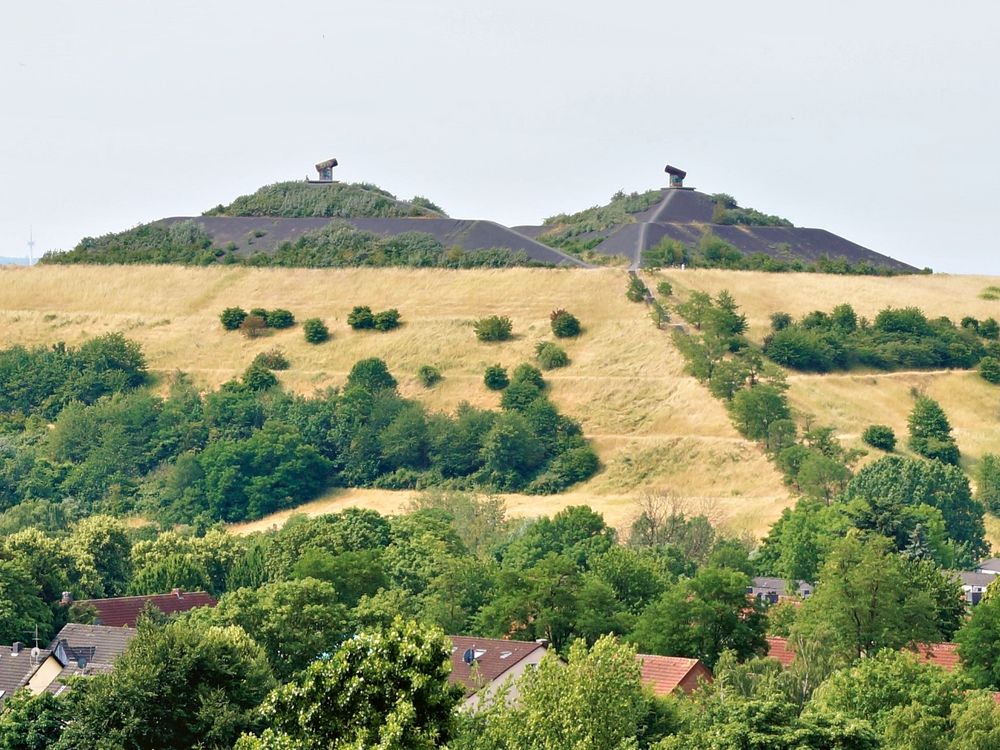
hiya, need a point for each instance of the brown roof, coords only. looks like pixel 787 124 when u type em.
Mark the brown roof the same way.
pixel 666 674
pixel 86 650
pixel 778 648
pixel 125 610
pixel 944 655
pixel 492 658
pixel 16 669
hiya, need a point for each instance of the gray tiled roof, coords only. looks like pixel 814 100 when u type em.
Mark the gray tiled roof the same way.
pixel 87 650
pixel 15 670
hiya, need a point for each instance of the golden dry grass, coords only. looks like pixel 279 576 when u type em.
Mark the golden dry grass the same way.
pixel 654 427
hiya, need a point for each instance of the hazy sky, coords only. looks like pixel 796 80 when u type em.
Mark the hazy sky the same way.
pixel 879 121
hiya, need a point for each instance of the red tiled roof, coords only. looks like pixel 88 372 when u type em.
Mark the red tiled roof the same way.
pixel 123 611
pixel 778 648
pixel 493 657
pixel 665 674
pixel 944 655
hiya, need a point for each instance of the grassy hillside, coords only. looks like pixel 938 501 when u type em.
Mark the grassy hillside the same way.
pixel 654 428
pixel 851 401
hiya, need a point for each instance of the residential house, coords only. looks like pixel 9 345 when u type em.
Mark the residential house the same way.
pixel 669 674
pixel 773 590
pixel 974 584
pixel 124 611
pixel 483 665
pixel 779 648
pixel 944 655
pixel 990 565
pixel 16 667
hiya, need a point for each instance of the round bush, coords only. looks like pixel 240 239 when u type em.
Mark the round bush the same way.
pixel 386 320
pixel 664 289
pixel 428 375
pixel 496 378
pixel 258 378
pixel 274 359
pixel 232 317
pixel 260 312
pixel 280 318
pixel 315 331
pixel 989 369
pixel 880 436
pixel 372 375
pixel 361 318
pixel 519 396
pixel 550 356
pixel 564 324
pixel 253 326
pixel 493 328
pixel 526 373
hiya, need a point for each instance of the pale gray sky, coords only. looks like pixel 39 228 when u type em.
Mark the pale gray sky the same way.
pixel 876 120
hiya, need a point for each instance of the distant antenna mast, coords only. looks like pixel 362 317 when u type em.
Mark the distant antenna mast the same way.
pixel 31 246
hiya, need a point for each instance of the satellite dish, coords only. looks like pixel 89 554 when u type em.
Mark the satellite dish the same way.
pixel 469 657
pixel 35 652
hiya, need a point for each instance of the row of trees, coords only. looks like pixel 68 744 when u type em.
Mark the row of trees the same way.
pixel 249 448
pixel 898 338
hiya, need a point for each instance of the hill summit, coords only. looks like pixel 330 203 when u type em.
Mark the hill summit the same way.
pixel 324 223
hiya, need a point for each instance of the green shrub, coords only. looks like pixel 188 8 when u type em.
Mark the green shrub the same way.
pixel 253 326
pixel 550 356
pixel 664 289
pixel 880 436
pixel 989 329
pixel 232 317
pixel 386 320
pixel 372 375
pixel 279 318
pixel 259 378
pixel 493 328
pixel 274 359
pixel 780 321
pixel 260 312
pixel 564 324
pixel 527 373
pixel 989 369
pixel 428 375
pixel 496 378
pixel 315 331
pixel 361 318
pixel 636 291
pixel 518 396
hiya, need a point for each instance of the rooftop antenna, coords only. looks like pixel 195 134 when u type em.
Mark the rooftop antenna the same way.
pixel 31 261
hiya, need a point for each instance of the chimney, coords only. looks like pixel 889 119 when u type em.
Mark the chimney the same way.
pixel 67 598
pixel 15 649
pixel 543 642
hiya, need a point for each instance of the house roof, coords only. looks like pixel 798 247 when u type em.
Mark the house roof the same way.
pixel 764 584
pixel 15 670
pixel 970 578
pixel 944 655
pixel 125 610
pixel 493 657
pixel 86 650
pixel 778 648
pixel 665 674
pixel 990 563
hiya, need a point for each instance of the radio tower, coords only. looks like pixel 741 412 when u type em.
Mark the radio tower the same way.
pixel 31 246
